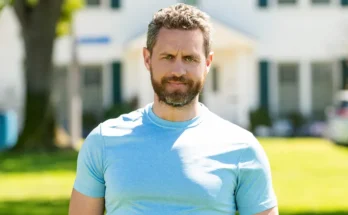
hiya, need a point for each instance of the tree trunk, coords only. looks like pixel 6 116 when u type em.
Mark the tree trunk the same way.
pixel 38 32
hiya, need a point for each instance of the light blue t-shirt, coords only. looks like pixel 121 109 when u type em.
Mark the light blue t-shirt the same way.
pixel 144 165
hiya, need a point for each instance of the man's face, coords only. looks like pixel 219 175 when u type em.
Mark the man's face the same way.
pixel 178 66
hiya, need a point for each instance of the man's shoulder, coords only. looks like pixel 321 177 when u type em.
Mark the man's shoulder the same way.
pixel 221 125
pixel 126 121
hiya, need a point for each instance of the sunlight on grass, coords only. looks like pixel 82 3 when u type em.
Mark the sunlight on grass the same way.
pixel 48 185
pixel 309 176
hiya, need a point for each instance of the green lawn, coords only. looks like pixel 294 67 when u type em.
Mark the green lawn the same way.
pixel 310 177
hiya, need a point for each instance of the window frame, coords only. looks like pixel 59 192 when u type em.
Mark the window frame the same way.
pixel 283 4
pixel 332 72
pixel 276 80
pixel 320 3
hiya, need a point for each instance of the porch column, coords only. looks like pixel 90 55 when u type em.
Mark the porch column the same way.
pixel 305 88
pixel 107 85
pixel 244 86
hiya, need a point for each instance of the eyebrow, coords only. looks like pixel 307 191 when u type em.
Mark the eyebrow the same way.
pixel 165 53
pixel 185 55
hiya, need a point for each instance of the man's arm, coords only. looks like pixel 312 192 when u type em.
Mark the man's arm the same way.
pixel 272 211
pixel 254 194
pixel 81 204
pixel 88 195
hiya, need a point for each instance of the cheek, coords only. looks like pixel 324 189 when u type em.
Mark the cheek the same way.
pixel 199 71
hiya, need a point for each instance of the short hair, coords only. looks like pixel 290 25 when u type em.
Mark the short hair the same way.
pixel 180 16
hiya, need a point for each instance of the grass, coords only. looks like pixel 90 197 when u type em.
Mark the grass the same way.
pixel 310 177
pixel 36 184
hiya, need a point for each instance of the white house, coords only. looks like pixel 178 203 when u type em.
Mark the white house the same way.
pixel 284 55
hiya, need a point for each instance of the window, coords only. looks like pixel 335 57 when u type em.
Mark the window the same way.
pixel 93 2
pixel 287 2
pixel 191 2
pixel 92 75
pixel 320 1
pixel 92 90
pixel 322 88
pixel 215 79
pixel 288 85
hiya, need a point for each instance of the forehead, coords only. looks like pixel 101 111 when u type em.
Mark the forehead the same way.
pixel 179 40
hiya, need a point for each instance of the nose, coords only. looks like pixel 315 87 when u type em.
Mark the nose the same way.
pixel 178 69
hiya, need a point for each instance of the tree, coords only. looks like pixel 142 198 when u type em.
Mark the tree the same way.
pixel 41 22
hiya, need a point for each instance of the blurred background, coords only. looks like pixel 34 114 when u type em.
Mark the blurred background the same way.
pixel 280 70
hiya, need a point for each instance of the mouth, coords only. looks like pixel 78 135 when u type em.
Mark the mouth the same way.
pixel 176 83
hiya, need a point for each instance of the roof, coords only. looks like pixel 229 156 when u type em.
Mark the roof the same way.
pixel 224 37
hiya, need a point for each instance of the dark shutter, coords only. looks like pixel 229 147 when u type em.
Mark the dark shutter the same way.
pixel 115 3
pixel 116 82
pixel 263 80
pixel 344 2
pixel 344 70
pixel 263 3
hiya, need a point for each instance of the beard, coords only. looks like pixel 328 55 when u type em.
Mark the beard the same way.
pixel 176 98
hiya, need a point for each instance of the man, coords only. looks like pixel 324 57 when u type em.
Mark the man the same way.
pixel 173 156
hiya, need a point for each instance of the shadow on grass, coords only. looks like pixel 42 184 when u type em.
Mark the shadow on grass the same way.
pixel 315 213
pixel 35 207
pixel 38 162
pixel 61 207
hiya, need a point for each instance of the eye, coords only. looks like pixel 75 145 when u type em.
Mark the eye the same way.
pixel 169 57
pixel 189 59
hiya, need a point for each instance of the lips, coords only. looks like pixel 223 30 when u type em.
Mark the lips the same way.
pixel 176 83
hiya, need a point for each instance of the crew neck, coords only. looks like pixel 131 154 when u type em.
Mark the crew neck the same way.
pixel 172 124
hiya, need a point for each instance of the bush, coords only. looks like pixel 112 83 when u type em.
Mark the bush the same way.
pixel 119 109
pixel 89 122
pixel 297 121
pixel 258 117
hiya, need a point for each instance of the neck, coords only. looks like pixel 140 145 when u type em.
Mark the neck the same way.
pixel 176 114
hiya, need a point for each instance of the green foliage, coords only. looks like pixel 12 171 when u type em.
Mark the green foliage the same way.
pixel 4 3
pixel 89 121
pixel 68 9
pixel 258 117
pixel 32 3
pixel 297 120
pixel 119 109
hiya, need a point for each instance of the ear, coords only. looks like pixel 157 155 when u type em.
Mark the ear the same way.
pixel 209 61
pixel 147 58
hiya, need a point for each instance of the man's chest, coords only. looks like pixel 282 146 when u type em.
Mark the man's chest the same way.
pixel 180 170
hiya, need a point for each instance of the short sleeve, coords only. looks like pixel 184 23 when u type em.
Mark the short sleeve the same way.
pixel 254 192
pixel 90 169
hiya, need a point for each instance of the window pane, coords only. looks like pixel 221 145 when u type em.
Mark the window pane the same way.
pixel 288 83
pixel 93 2
pixel 287 1
pixel 191 2
pixel 321 1
pixel 322 88
pixel 92 93
pixel 92 76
